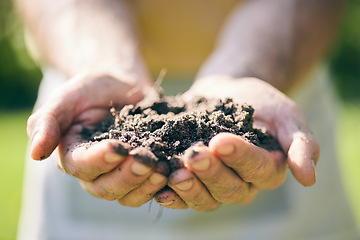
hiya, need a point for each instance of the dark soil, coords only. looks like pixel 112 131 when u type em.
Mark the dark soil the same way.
pixel 167 126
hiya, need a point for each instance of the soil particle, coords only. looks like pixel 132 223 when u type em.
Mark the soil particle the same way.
pixel 167 126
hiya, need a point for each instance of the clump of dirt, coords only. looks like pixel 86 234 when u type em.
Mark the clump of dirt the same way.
pixel 168 125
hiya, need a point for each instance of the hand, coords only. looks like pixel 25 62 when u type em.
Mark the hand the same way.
pixel 230 170
pixel 105 169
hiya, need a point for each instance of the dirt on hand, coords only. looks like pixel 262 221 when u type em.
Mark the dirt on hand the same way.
pixel 168 125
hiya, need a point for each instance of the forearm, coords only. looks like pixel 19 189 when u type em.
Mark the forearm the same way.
pixel 278 41
pixel 80 35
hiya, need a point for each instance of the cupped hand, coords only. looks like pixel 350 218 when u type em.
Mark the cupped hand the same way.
pixel 231 170
pixel 105 169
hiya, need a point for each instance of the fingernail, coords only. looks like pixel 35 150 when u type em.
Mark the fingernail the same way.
pixel 145 157
pixel 201 165
pixel 185 185
pixel 139 169
pixel 157 178
pixel 35 140
pixel 314 167
pixel 166 203
pixel 113 157
pixel 226 149
pixel 121 150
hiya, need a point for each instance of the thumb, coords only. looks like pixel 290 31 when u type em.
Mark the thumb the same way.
pixel 302 149
pixel 44 132
pixel 46 125
pixel 303 155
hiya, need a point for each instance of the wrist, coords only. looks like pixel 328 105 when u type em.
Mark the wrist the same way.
pixel 210 82
pixel 130 74
pixel 239 67
pixel 220 86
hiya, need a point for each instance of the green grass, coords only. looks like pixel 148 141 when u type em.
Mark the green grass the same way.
pixel 13 140
pixel 348 140
pixel 13 144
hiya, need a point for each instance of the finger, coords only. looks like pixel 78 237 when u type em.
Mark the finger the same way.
pixel 145 192
pixel 44 132
pixel 89 161
pixel 302 157
pixel 168 198
pixel 127 176
pixel 266 170
pixel 303 150
pixel 222 182
pixel 149 188
pixel 191 190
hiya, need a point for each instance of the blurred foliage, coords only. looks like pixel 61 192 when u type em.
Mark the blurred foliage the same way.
pixel 345 59
pixel 19 76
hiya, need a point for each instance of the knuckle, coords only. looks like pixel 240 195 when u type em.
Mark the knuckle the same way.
pixel 247 200
pixel 80 173
pixel 251 196
pixel 77 173
pixel 130 184
pixel 213 206
pixel 129 203
pixel 277 183
pixel 103 193
pixel 234 194
pixel 118 189
pixel 95 191
pixel 177 204
pixel 259 172
pixel 207 207
pixel 72 170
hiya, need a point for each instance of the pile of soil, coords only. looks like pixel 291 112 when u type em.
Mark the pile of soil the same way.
pixel 168 125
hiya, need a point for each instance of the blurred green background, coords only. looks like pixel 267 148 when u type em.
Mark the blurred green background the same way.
pixel 19 79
